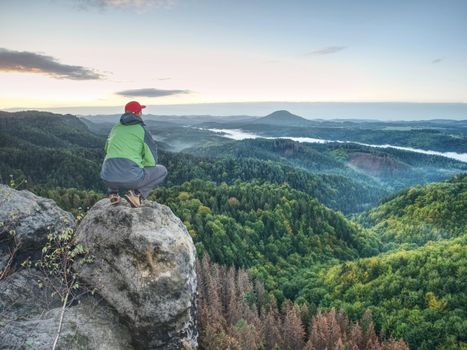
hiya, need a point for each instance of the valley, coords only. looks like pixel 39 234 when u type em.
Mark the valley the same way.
pixel 341 225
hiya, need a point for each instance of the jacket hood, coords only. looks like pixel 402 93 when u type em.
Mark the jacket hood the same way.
pixel 129 118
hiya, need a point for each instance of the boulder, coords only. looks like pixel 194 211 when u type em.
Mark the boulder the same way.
pixel 143 265
pixel 30 219
pixel 29 311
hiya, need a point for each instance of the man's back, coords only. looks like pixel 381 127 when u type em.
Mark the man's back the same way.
pixel 126 141
pixel 130 159
pixel 127 151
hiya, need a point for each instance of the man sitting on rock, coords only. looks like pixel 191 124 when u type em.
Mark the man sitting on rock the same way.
pixel 130 160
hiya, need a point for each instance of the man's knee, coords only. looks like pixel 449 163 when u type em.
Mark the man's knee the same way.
pixel 157 173
pixel 163 171
pixel 160 171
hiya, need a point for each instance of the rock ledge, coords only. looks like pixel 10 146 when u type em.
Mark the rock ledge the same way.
pixel 144 266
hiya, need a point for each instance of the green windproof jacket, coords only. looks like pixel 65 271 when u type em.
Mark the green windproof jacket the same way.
pixel 128 149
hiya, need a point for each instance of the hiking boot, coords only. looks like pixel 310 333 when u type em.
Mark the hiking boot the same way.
pixel 115 198
pixel 134 198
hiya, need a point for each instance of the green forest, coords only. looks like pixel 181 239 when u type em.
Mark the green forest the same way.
pixel 323 232
pixel 421 214
pixel 418 295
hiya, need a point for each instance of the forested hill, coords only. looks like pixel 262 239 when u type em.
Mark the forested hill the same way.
pixel 280 232
pixel 45 129
pixel 420 295
pixel 49 149
pixel 422 213
pixel 390 169
pixel 335 191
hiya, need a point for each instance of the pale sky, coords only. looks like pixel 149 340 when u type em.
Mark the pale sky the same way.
pixel 63 53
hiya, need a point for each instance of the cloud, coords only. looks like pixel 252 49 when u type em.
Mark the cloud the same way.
pixel 125 3
pixel 437 60
pixel 30 62
pixel 149 92
pixel 326 50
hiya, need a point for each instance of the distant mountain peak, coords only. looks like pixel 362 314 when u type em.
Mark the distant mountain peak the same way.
pixel 282 117
pixel 283 114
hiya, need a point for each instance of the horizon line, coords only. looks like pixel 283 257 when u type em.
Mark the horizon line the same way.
pixel 374 110
pixel 20 108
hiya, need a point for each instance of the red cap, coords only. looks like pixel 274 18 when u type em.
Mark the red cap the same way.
pixel 134 107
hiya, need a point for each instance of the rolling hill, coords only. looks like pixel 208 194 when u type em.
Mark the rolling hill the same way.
pixel 275 229
pixel 419 295
pixel 420 214
pixel 390 169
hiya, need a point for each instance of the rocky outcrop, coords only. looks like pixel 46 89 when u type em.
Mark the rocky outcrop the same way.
pixel 26 220
pixel 142 272
pixel 144 266
pixel 29 318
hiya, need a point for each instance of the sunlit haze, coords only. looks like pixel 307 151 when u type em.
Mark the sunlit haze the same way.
pixel 101 53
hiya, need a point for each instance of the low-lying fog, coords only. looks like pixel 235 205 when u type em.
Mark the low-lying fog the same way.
pixel 238 134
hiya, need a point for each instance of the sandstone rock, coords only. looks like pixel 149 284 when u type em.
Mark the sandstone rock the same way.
pixel 89 325
pixel 29 318
pixel 144 267
pixel 143 273
pixel 21 297
pixel 31 218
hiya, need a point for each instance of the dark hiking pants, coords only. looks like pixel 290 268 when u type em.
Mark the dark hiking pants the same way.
pixel 153 175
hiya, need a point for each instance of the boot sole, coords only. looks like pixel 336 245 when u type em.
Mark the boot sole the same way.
pixel 132 201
